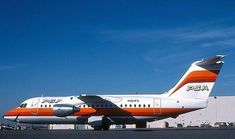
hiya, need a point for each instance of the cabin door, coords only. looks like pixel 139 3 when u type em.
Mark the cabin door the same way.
pixel 157 106
pixel 35 106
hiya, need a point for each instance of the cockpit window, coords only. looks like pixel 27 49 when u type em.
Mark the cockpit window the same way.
pixel 23 105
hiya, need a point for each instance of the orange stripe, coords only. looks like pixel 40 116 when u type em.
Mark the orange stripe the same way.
pixel 197 77
pixel 102 111
pixel 30 112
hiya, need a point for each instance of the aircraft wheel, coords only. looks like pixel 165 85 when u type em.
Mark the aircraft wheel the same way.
pixel 97 127
pixel 141 125
pixel 105 127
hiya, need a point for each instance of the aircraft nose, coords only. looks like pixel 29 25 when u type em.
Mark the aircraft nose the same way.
pixel 9 115
pixel 6 114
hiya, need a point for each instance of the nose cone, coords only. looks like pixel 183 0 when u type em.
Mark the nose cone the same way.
pixel 10 115
pixel 6 115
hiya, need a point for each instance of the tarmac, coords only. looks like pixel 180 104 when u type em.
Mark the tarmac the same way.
pixel 182 133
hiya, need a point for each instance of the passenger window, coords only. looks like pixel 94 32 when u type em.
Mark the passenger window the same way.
pixel 101 105
pixel 144 105
pixel 106 106
pixel 45 106
pixel 130 105
pixel 97 106
pixel 134 105
pixel 84 106
pixel 41 106
pixel 125 105
pixel 121 105
pixel 148 105
pixel 139 105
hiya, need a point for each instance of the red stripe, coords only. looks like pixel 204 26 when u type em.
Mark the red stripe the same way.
pixel 197 77
pixel 102 111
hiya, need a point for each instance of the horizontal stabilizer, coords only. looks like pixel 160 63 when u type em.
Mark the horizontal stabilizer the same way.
pixel 210 61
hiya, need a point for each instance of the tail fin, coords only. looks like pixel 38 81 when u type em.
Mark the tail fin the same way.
pixel 198 81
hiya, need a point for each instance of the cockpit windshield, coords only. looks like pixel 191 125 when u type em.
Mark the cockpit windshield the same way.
pixel 23 105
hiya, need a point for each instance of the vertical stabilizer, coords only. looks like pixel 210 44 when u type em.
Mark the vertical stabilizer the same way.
pixel 198 81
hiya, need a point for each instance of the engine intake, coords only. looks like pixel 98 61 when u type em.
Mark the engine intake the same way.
pixel 63 110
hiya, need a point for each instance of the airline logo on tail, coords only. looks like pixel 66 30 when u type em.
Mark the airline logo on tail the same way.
pixel 197 88
pixel 199 78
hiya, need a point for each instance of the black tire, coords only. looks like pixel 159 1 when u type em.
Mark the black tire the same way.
pixel 97 128
pixel 105 127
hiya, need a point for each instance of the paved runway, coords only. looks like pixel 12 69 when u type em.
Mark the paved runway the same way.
pixel 196 133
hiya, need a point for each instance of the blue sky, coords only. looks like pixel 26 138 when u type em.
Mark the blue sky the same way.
pixel 59 48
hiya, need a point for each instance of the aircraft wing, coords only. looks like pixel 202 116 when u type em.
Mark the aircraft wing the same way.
pixel 93 99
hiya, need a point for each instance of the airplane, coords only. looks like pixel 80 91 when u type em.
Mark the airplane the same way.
pixel 100 111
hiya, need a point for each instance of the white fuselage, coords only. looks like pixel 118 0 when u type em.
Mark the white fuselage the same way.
pixel 119 108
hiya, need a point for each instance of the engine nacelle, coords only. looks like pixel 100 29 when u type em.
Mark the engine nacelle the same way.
pixel 63 110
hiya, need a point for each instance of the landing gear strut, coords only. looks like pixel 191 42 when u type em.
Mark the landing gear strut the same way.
pixel 141 125
pixel 106 127
pixel 103 127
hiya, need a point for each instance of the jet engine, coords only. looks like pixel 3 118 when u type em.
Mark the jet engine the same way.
pixel 63 110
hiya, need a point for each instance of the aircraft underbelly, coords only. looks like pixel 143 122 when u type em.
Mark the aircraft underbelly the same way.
pixel 78 120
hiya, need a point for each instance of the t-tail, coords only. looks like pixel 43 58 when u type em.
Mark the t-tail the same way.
pixel 198 81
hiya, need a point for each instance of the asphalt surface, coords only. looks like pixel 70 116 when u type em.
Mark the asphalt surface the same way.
pixel 184 133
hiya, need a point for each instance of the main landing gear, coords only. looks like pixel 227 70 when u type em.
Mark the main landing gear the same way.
pixel 141 124
pixel 102 127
